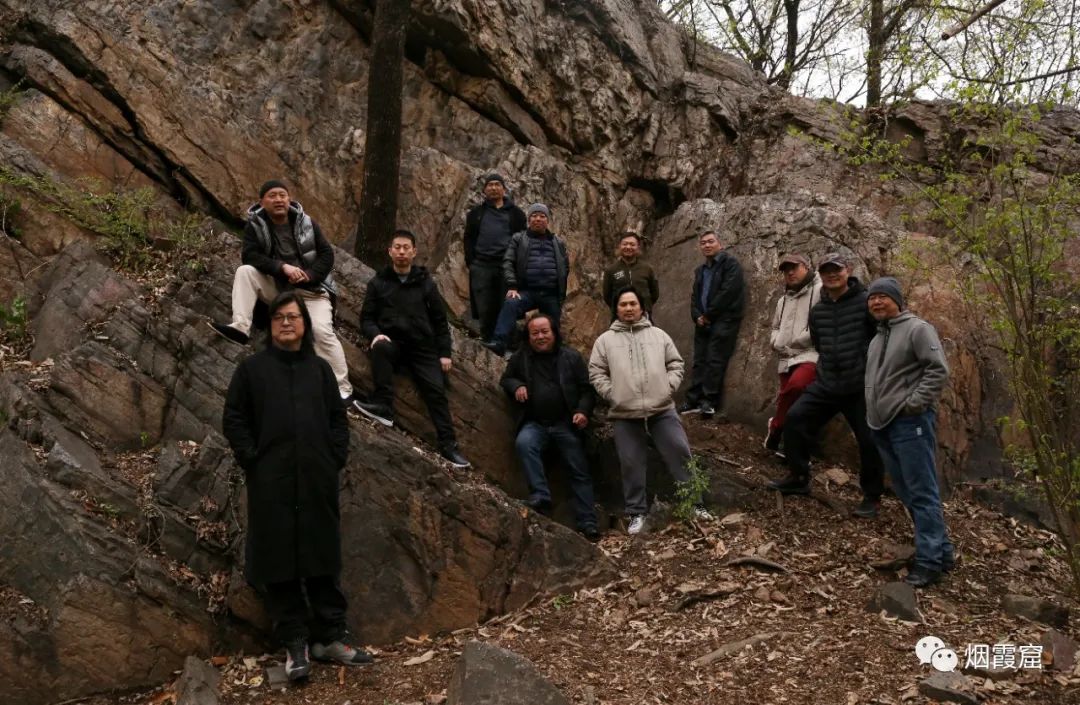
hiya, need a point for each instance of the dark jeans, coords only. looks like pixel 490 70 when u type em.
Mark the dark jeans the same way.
pixel 423 363
pixel 714 345
pixel 632 444
pixel 323 609
pixel 514 309
pixel 532 440
pixel 907 446
pixel 488 290
pixel 815 408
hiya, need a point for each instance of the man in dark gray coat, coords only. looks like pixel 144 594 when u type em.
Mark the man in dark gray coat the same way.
pixel 906 373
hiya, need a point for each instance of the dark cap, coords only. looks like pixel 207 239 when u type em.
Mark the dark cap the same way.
pixel 793 258
pixel 272 183
pixel 494 177
pixel 890 287
pixel 833 258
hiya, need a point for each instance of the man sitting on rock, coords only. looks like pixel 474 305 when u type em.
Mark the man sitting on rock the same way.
pixel 906 372
pixel 535 268
pixel 283 250
pixel 287 428
pixel 549 385
pixel 636 368
pixel 488 229
pixel 404 317
pixel 631 270
pixel 790 339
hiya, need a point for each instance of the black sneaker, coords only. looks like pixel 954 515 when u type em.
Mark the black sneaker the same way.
pixel 591 534
pixel 340 652
pixel 376 412
pixel 229 333
pixel 454 456
pixel 540 506
pixel 868 508
pixel 297 665
pixel 689 408
pixel 922 577
pixel 495 346
pixel 947 565
pixel 707 410
pixel 792 484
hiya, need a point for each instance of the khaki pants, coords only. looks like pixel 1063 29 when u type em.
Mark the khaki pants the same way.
pixel 251 285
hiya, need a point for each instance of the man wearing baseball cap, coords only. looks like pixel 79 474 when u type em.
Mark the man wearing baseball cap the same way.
pixel 906 372
pixel 840 330
pixel 790 339
pixel 488 229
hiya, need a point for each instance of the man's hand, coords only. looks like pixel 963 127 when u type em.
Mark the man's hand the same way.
pixel 513 294
pixel 295 274
pixel 379 338
pixel 703 320
pixel 580 420
pixel 446 363
pixel 521 394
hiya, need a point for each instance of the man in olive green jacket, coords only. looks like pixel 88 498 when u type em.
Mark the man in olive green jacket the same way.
pixel 631 270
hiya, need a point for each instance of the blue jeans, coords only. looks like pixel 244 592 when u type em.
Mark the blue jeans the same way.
pixel 515 309
pixel 907 446
pixel 532 440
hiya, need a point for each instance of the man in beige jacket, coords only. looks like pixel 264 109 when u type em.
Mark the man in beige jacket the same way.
pixel 790 338
pixel 636 368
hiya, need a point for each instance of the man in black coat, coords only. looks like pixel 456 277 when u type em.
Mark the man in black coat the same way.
pixel 404 317
pixel 287 428
pixel 488 229
pixel 841 328
pixel 716 307
pixel 284 250
pixel 549 386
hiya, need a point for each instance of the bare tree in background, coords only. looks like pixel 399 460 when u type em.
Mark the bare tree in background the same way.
pixel 382 145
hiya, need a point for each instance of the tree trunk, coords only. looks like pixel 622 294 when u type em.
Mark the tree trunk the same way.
pixel 791 9
pixel 875 36
pixel 382 145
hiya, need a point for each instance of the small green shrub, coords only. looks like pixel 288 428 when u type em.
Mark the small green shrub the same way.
pixel 689 494
pixel 13 321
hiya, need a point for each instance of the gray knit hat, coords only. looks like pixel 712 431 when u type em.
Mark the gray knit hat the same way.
pixel 494 177
pixel 538 208
pixel 888 286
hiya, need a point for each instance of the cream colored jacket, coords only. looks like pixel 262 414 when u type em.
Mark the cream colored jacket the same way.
pixel 791 325
pixel 635 368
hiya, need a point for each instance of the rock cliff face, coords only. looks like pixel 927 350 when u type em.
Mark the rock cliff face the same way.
pixel 599 108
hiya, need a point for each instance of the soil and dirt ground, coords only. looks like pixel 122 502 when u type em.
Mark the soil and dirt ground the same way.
pixel 635 639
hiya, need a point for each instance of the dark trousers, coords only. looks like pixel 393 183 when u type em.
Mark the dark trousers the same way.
pixel 423 364
pixel 815 408
pixel 532 440
pixel 488 290
pixel 714 345
pixel 317 602
pixel 515 309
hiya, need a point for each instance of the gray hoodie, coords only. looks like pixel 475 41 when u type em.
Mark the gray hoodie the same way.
pixel 906 370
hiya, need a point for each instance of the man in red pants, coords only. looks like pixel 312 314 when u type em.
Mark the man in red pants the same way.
pixel 791 339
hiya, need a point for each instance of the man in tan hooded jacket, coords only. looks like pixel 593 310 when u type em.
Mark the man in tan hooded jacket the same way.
pixel 636 368
pixel 790 339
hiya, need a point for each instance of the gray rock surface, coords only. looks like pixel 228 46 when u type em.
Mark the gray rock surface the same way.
pixel 949 687
pixel 489 675
pixel 896 599
pixel 198 683
pixel 1037 609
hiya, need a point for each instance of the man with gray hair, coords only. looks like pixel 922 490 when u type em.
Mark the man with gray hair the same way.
pixel 535 268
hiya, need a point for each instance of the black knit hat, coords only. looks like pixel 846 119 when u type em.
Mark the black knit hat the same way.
pixel 494 177
pixel 272 183
pixel 888 286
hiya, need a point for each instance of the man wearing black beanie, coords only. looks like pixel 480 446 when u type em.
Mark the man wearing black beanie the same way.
pixel 284 249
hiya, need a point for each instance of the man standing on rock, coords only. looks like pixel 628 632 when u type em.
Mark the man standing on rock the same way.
pixel 535 267
pixel 549 385
pixel 840 329
pixel 404 318
pixel 906 373
pixel 287 428
pixel 716 307
pixel 284 249
pixel 636 368
pixel 790 339
pixel 631 270
pixel 488 229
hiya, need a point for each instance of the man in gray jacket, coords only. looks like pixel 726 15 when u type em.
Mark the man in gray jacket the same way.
pixel 906 372
pixel 636 368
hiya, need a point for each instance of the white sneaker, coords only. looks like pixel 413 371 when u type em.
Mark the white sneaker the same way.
pixel 703 514
pixel 637 523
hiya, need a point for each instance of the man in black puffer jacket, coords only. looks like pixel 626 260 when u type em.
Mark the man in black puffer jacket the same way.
pixel 841 329
pixel 404 317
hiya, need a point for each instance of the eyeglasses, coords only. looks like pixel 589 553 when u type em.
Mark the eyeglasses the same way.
pixel 285 317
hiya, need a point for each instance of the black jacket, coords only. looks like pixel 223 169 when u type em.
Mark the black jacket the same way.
pixel 413 313
pixel 516 262
pixel 727 295
pixel 286 424
pixel 841 331
pixel 476 214
pixel 578 394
